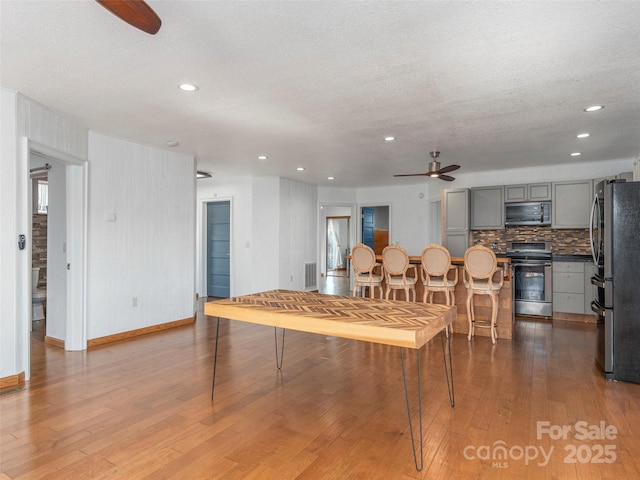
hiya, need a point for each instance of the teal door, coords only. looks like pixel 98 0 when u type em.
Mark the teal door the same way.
pixel 218 249
pixel 368 225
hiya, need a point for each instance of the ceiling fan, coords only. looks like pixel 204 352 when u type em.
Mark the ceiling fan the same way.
pixel 435 170
pixel 134 12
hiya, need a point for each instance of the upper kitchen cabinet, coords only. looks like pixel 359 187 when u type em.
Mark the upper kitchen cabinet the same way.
pixel 527 192
pixel 487 208
pixel 455 205
pixel 571 204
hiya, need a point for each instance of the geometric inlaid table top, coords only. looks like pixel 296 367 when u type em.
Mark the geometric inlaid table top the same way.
pixel 391 322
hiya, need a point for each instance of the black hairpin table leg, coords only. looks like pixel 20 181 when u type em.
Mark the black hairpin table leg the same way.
pixel 280 358
pixel 418 462
pixel 215 358
pixel 448 369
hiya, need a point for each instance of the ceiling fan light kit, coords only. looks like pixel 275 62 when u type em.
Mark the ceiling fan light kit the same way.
pixel 434 169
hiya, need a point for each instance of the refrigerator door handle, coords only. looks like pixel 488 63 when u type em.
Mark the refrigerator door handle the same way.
pixel 597 308
pixel 598 281
pixel 594 205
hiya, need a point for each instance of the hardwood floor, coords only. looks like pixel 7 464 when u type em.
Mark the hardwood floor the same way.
pixel 142 408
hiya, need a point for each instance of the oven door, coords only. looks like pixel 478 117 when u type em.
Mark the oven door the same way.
pixel 533 289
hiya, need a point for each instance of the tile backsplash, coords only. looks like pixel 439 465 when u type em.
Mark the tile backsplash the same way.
pixel 564 241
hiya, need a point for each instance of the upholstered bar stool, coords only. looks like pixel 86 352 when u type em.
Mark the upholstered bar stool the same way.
pixel 480 265
pixel 435 266
pixel 395 262
pixel 363 260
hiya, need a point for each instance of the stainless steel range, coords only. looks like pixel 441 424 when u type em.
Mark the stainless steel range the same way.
pixel 532 276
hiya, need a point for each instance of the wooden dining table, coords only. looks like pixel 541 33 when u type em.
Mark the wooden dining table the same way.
pixel 408 325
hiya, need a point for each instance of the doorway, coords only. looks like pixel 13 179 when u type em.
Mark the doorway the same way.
pixel 338 246
pixel 375 227
pixel 218 237
pixel 67 189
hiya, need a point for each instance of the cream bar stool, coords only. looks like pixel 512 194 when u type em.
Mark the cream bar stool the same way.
pixel 395 263
pixel 480 264
pixel 435 265
pixel 434 271
pixel 363 260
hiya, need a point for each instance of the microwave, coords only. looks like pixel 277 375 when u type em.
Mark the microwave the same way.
pixel 527 213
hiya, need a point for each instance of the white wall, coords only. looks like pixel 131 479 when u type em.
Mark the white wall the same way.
pixel 254 237
pixel 263 272
pixel 9 358
pixel 298 231
pixel 274 231
pixel 141 236
pixel 22 119
pixel 408 213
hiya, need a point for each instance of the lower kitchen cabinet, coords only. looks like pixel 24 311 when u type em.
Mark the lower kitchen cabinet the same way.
pixel 572 288
pixel 568 287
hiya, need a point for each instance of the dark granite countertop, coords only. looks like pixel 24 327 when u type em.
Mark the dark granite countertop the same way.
pixel 567 257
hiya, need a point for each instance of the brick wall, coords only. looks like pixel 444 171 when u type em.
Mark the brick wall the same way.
pixel 564 241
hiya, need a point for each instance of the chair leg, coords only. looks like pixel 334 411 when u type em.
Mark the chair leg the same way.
pixel 424 295
pixel 355 290
pixel 494 318
pixel 470 314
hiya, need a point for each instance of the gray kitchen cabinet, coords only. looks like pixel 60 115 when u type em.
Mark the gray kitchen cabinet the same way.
pixel 455 233
pixel 568 287
pixel 487 208
pixel 456 242
pixel 571 204
pixel 530 192
pixel 628 176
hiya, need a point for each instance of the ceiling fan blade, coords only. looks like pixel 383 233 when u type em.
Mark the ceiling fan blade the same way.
pixel 449 168
pixel 412 175
pixel 134 12
pixel 446 178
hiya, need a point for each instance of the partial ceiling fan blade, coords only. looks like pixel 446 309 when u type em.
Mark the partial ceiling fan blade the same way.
pixel 134 12
pixel 413 175
pixel 449 168
pixel 446 178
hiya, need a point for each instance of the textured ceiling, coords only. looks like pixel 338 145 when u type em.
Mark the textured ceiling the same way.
pixel 492 85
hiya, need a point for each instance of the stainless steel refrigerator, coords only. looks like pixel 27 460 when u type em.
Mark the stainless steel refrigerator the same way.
pixel 615 244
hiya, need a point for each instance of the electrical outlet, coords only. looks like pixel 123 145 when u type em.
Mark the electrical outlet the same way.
pixel 134 302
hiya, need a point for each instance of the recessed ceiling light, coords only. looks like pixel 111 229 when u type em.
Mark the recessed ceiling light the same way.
pixel 594 108
pixel 576 154
pixel 300 169
pixel 389 138
pixel 262 157
pixel 330 178
pixel 188 87
pixel 172 143
pixel 582 135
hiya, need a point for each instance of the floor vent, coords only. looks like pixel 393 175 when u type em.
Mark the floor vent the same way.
pixel 310 276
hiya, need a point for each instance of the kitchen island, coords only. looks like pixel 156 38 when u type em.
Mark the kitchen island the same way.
pixel 482 303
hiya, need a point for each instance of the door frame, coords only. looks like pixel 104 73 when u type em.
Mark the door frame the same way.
pixel 202 248
pixel 76 170
pixel 326 234
pixel 372 205
pixel 322 231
